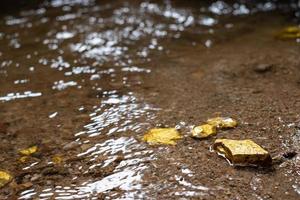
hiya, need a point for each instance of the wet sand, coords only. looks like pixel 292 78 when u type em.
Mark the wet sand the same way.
pixel 84 80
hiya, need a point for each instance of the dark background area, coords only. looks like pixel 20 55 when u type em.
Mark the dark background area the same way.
pixel 8 6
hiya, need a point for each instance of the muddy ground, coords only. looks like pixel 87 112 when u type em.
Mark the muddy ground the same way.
pixel 100 74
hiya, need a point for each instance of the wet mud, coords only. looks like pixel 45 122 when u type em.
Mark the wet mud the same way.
pixel 83 81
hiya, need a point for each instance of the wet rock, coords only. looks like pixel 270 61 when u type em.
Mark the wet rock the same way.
pixel 85 147
pixel 23 186
pixel 279 159
pixel 256 91
pixel 23 178
pixel 289 154
pixel 70 146
pixel 162 136
pixel 242 152
pixel 48 171
pixel 35 177
pixel 263 68
pixel 117 84
pixel 204 131
pixel 101 172
pixel 49 182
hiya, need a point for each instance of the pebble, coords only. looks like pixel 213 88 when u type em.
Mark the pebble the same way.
pixel 263 68
pixel 85 147
pixel 71 145
pixel 35 177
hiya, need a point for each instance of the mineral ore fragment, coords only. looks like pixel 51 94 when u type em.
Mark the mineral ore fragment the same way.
pixel 204 131
pixel 162 136
pixel 29 151
pixel 57 159
pixel 23 159
pixel 242 152
pixel 222 122
pixel 4 178
pixel 291 32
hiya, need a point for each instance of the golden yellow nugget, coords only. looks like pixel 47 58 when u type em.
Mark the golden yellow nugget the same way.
pixel 291 32
pixel 4 178
pixel 23 159
pixel 162 136
pixel 292 29
pixel 204 131
pixel 57 159
pixel 222 122
pixel 29 151
pixel 242 152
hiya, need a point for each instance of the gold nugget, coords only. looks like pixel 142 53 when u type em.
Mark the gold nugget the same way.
pixel 162 136
pixel 204 131
pixel 242 152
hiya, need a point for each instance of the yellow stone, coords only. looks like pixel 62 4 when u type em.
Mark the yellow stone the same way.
pixel 4 178
pixel 162 136
pixel 23 159
pixel 242 152
pixel 29 151
pixel 222 122
pixel 204 131
pixel 291 32
pixel 292 29
pixel 57 159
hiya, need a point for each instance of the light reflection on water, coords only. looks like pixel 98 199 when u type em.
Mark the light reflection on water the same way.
pixel 119 114
pixel 61 85
pixel 103 45
pixel 126 176
pixel 17 95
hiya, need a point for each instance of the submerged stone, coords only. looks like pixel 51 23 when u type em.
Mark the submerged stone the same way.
pixel 242 152
pixel 204 131
pixel 4 178
pixel 29 151
pixel 162 136
pixel 222 122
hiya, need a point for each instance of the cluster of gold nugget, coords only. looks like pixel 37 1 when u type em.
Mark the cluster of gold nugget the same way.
pixel 26 153
pixel 6 177
pixel 211 126
pixel 237 152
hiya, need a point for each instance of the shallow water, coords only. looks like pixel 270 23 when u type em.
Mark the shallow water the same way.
pixel 83 80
